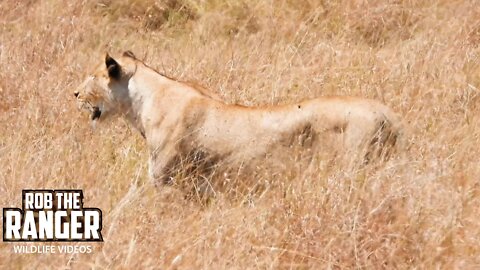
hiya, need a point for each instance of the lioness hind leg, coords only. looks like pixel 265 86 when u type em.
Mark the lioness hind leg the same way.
pixel 383 142
pixel 364 145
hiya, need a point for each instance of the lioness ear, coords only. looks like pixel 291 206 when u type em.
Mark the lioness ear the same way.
pixel 129 54
pixel 112 66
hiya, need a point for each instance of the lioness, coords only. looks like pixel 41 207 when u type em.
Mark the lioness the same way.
pixel 181 122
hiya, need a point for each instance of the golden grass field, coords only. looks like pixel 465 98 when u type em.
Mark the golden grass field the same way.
pixel 418 210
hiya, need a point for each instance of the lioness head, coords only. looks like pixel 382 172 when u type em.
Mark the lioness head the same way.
pixel 105 91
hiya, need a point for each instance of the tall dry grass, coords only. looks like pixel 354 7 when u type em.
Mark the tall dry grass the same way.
pixel 419 57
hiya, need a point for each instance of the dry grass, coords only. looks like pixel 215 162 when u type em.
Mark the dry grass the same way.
pixel 419 57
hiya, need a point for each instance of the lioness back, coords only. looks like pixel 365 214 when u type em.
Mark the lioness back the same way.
pixel 343 123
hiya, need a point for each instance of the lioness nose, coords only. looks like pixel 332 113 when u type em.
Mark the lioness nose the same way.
pixel 76 93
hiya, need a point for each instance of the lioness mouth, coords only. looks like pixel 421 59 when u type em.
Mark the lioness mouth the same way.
pixel 96 113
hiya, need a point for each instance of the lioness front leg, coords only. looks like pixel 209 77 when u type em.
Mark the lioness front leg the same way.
pixel 160 166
